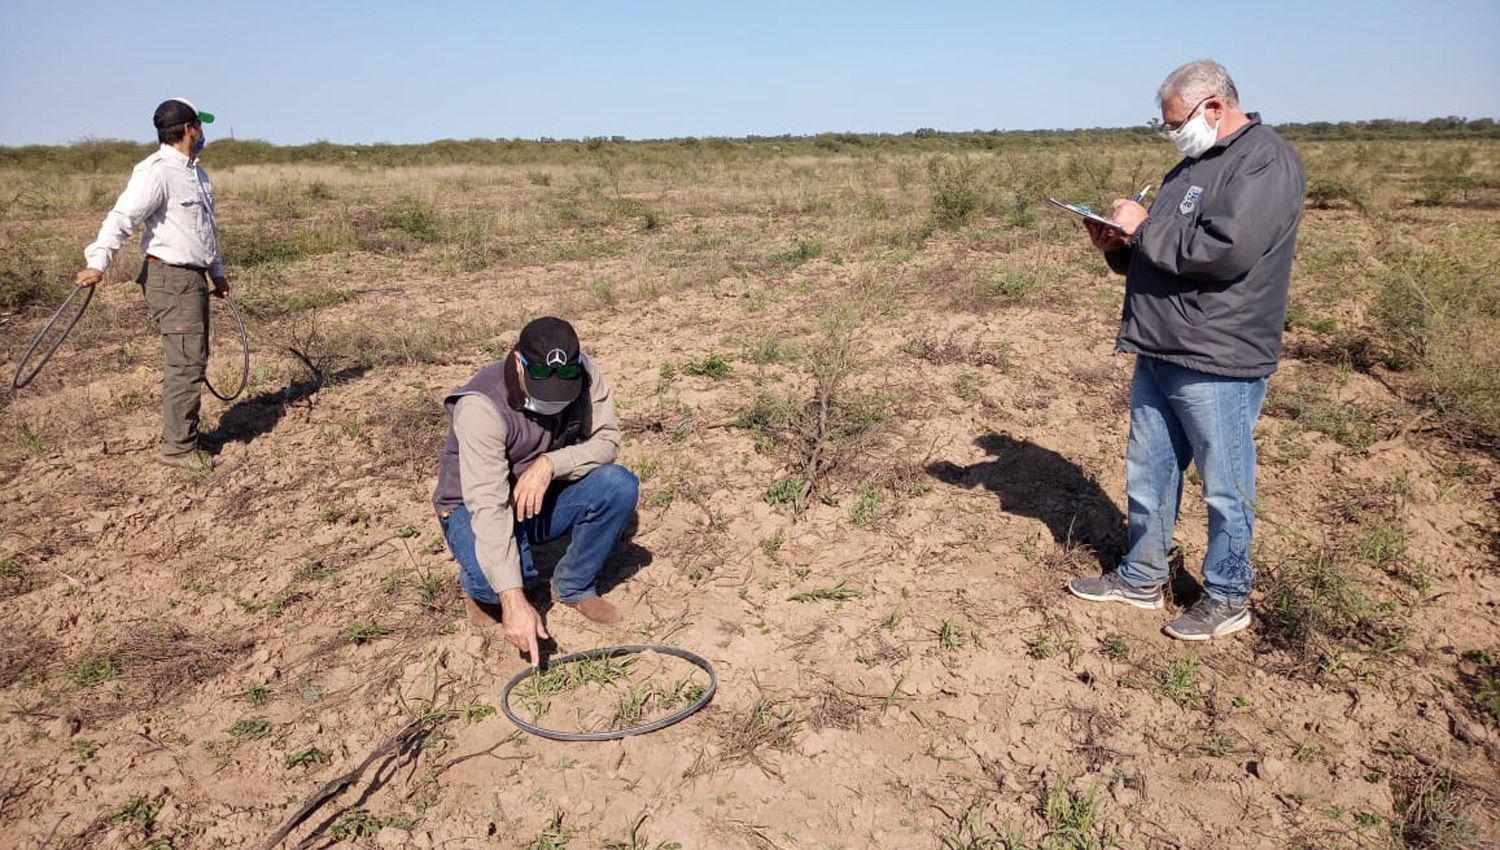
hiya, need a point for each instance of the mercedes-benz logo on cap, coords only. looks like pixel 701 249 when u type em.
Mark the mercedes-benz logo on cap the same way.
pixel 557 357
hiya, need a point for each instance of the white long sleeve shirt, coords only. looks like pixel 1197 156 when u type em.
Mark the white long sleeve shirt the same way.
pixel 171 195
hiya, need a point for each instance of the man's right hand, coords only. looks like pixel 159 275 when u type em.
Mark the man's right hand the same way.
pixel 88 277
pixel 1106 239
pixel 521 623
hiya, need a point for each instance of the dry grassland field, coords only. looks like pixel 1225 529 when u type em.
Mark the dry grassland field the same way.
pixel 868 386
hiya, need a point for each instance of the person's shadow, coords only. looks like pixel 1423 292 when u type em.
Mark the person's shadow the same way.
pixel 625 560
pixel 1037 482
pixel 258 414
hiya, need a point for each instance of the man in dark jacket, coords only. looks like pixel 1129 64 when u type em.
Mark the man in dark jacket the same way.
pixel 530 457
pixel 1206 275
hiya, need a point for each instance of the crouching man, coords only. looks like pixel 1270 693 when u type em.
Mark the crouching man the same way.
pixel 530 457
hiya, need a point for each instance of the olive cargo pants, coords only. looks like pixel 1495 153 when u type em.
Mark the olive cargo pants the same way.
pixel 177 299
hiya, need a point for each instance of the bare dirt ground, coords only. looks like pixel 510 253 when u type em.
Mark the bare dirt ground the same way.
pixel 186 658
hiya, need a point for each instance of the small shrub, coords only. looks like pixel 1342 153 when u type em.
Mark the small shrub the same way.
pixel 414 217
pixel 713 365
pixel 956 195
pixel 1332 192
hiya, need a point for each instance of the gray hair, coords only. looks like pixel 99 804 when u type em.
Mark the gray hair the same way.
pixel 1198 80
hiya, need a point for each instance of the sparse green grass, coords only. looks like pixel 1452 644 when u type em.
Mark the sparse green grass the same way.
pixel 785 491
pixel 866 507
pixel 554 836
pixel 305 757
pixel 951 636
pixel 1049 642
pixel 1115 646
pixel 837 592
pixel 478 711
pixel 635 840
pixel 537 692
pixel 712 365
pixel 652 697
pixel 1311 405
pixel 1479 678
pixel 92 670
pixel 249 729
pixel 1181 681
pixel 365 632
pixel 15 578
pixel 257 696
pixel 354 824
pixel 84 749
pixel 140 811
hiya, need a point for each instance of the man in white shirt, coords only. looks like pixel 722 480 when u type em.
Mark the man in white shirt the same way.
pixel 170 194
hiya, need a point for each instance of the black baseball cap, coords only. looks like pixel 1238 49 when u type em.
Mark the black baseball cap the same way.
pixel 179 110
pixel 550 341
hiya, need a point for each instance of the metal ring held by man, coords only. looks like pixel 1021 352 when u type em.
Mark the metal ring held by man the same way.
pixel 23 377
pixel 244 361
pixel 613 734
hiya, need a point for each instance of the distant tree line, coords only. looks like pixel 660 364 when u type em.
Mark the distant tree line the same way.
pixel 112 155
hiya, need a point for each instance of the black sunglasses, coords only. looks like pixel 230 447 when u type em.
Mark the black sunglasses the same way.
pixel 542 371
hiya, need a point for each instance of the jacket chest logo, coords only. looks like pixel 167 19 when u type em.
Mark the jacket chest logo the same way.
pixel 1190 200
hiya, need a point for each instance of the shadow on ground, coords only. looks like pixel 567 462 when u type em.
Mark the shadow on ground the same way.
pixel 258 415
pixel 1037 482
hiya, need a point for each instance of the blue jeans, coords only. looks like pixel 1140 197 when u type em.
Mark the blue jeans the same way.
pixel 1178 415
pixel 595 509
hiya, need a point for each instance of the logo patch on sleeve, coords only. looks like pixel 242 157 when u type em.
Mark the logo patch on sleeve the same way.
pixel 1190 200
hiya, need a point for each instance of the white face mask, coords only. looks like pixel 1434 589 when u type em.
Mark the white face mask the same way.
pixel 1194 137
pixel 545 408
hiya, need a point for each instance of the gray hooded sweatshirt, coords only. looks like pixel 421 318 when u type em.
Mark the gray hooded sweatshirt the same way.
pixel 1206 275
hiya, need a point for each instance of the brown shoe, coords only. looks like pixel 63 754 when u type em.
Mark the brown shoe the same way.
pixel 192 461
pixel 482 614
pixel 598 609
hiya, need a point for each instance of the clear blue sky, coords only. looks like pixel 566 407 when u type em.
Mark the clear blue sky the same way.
pixel 380 70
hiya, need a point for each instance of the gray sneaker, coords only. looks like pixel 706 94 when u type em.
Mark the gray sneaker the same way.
pixel 1210 618
pixel 1110 587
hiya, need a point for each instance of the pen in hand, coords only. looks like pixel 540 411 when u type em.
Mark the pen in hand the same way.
pixel 1141 195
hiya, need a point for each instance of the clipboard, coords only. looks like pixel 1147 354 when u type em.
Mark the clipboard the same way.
pixel 1085 212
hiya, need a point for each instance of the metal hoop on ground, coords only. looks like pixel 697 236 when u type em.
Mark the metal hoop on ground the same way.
pixel 24 377
pixel 613 734
pixel 239 324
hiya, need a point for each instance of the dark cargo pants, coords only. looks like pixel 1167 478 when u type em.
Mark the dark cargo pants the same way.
pixel 177 299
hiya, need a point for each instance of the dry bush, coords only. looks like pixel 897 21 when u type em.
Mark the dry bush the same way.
pixel 24 655
pixel 1434 812
pixel 767 725
pixel 412 429
pixel 149 665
